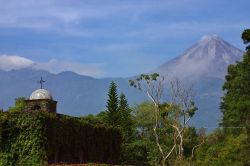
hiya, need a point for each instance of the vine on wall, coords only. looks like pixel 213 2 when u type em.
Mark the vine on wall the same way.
pixel 41 138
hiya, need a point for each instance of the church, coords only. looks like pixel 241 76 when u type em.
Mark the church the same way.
pixel 41 100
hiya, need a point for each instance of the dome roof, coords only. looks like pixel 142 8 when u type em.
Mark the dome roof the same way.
pixel 41 94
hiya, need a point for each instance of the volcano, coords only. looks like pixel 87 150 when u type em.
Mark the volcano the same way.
pixel 209 57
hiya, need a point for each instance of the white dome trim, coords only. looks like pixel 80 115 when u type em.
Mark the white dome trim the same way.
pixel 41 94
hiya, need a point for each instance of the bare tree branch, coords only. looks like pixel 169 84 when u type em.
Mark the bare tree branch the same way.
pixel 196 146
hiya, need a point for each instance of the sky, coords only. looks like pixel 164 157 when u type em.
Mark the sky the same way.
pixel 111 38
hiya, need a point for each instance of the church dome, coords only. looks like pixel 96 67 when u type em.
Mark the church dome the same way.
pixel 41 94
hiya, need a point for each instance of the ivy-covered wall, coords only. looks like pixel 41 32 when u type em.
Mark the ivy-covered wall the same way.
pixel 43 138
pixel 41 105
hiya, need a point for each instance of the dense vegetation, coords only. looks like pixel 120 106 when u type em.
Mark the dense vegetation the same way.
pixel 38 138
pixel 236 102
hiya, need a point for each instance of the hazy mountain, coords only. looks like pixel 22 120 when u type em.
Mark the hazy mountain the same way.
pixel 209 57
pixel 204 65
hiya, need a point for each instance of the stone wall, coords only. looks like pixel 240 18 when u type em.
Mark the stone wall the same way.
pixel 41 105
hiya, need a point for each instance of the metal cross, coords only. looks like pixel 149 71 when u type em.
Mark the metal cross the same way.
pixel 41 82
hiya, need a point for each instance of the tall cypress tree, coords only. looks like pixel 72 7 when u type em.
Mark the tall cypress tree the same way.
pixel 235 105
pixel 112 105
pixel 123 103
pixel 126 121
pixel 127 125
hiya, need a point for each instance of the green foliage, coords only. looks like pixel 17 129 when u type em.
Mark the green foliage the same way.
pixel 191 139
pixel 144 117
pixel 138 152
pixel 125 118
pixel 236 102
pixel 126 124
pixel 246 37
pixel 112 105
pixel 192 109
pixel 19 105
pixel 35 138
pixel 22 139
pixel 93 120
pixel 143 78
pixel 221 149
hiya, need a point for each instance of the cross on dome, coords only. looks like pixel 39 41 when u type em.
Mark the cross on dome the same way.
pixel 41 82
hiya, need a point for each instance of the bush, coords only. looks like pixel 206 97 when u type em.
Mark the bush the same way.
pixel 232 150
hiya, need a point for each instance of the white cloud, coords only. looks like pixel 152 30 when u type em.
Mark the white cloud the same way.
pixel 8 63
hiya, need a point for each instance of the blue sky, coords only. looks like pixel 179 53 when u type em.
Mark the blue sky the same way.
pixel 111 38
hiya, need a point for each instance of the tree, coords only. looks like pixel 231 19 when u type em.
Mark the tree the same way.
pixel 126 124
pixel 246 38
pixel 201 140
pixel 112 105
pixel 235 104
pixel 118 114
pixel 183 108
pixel 19 104
pixel 125 117
pixel 168 114
pixel 153 88
pixel 145 120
